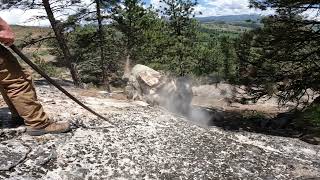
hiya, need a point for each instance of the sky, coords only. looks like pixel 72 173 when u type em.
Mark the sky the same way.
pixel 206 7
pixel 219 7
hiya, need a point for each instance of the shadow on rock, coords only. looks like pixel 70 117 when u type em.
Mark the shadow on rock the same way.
pixel 7 121
pixel 251 121
pixel 61 82
pixel 10 127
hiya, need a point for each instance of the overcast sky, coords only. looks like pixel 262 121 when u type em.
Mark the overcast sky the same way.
pixel 207 7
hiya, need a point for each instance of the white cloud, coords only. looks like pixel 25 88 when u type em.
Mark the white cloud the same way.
pixel 21 17
pixel 207 7
pixel 226 7
pixel 220 7
pixel 231 4
pixel 27 17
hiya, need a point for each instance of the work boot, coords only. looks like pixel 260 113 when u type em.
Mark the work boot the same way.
pixel 52 128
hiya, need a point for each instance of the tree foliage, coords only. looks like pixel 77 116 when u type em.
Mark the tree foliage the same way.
pixel 82 41
pixel 58 27
pixel 283 57
pixel 182 31
pixel 128 18
pixel 168 39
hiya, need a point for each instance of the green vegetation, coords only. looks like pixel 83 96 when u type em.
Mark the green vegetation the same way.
pixel 155 49
pixel 312 116
pixel 173 42
pixel 47 67
pixel 282 58
pixel 167 39
pixel 223 29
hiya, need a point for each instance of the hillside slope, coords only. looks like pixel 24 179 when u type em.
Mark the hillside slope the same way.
pixel 24 32
pixel 231 18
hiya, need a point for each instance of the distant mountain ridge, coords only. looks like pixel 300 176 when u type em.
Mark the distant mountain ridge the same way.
pixel 231 18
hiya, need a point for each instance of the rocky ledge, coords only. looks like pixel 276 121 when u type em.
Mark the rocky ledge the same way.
pixel 147 143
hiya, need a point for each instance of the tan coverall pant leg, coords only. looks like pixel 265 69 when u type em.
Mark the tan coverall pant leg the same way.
pixel 14 112
pixel 18 86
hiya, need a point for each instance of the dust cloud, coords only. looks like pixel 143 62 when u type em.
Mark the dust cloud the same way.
pixel 177 97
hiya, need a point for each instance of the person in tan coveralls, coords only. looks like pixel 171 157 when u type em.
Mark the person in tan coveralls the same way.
pixel 18 91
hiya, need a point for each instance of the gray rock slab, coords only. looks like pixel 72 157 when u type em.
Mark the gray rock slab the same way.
pixel 10 133
pixel 151 143
pixel 11 154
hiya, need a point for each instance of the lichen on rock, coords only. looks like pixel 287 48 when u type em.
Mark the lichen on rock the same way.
pixel 148 143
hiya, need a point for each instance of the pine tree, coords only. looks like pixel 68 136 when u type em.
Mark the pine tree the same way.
pixel 57 26
pixel 283 57
pixel 182 33
pixel 128 19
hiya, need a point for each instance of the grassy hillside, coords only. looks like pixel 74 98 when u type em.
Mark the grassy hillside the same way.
pixel 223 29
pixel 27 32
pixel 39 54
pixel 233 23
pixel 231 18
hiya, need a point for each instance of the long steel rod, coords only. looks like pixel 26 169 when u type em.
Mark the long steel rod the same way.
pixel 43 74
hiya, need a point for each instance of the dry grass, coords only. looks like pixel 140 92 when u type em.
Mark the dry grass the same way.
pixel 22 32
pixel 38 53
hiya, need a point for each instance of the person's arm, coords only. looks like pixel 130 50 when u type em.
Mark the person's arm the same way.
pixel 6 34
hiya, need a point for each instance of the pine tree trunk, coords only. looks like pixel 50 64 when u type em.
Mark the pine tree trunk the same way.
pixel 58 31
pixel 226 68
pixel 105 81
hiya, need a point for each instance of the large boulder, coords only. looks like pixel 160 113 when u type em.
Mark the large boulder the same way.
pixel 146 84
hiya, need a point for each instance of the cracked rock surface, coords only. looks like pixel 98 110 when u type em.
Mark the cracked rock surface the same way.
pixel 148 143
